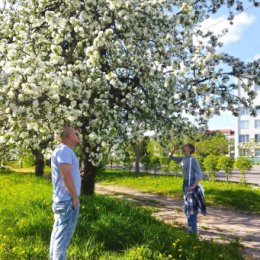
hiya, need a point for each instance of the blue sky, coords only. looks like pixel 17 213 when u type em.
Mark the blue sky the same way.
pixel 242 40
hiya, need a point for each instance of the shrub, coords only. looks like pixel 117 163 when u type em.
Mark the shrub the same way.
pixel 174 167
pixel 146 162
pixel 226 163
pixel 27 160
pixel 201 161
pixel 150 161
pixel 211 166
pixel 243 164
pixel 128 162
pixel 155 162
pixel 164 163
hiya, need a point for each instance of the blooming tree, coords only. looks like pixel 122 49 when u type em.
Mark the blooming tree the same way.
pixel 113 69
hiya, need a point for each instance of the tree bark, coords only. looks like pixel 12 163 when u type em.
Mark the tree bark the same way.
pixel 39 162
pixel 89 176
pixel 137 158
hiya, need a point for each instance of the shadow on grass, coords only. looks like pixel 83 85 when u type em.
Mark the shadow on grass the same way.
pixel 5 171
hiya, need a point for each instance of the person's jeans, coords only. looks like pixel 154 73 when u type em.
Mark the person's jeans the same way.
pixel 65 220
pixel 192 223
pixel 191 219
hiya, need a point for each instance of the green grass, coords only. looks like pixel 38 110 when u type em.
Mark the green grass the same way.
pixel 14 165
pixel 107 228
pixel 235 195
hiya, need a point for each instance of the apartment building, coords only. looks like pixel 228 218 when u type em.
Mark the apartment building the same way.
pixel 247 131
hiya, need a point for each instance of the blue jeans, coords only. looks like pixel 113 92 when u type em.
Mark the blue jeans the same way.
pixel 191 219
pixel 65 220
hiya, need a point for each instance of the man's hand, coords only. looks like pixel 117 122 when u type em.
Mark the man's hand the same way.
pixel 76 203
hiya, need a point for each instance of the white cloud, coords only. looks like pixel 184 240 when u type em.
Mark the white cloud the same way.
pixel 235 31
pixel 256 57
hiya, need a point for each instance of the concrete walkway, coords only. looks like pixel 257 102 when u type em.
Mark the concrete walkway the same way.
pixel 220 224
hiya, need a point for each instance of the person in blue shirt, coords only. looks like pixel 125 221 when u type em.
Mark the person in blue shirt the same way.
pixel 66 190
pixel 191 177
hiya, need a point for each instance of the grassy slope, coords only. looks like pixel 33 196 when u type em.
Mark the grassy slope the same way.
pixel 239 196
pixel 107 228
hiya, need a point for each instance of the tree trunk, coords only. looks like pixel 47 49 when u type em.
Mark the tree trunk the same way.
pixel 39 162
pixel 137 158
pixel 89 176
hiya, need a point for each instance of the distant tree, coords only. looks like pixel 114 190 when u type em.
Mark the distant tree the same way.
pixel 154 148
pixel 250 147
pixel 150 162
pixel 211 166
pixel 140 150
pixel 226 163
pixel 128 156
pixel 213 144
pixel 243 164
pixel 201 161
pixel 164 163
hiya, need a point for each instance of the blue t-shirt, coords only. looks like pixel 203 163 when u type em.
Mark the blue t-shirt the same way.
pixel 64 154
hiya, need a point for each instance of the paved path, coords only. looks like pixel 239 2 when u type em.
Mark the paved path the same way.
pixel 220 223
pixel 251 177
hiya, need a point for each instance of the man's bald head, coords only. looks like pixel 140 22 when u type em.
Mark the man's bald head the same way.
pixel 66 131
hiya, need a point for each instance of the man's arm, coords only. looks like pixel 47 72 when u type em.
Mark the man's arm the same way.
pixel 65 171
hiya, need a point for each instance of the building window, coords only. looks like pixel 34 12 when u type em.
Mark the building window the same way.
pixel 258 111
pixel 244 111
pixel 257 123
pixel 257 152
pixel 257 138
pixel 243 138
pixel 244 124
pixel 244 152
pixel 257 88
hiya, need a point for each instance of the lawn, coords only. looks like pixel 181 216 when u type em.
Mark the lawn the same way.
pixel 239 196
pixel 107 228
pixel 25 169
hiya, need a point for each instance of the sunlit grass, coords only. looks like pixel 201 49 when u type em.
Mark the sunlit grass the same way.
pixel 235 195
pixel 14 166
pixel 107 228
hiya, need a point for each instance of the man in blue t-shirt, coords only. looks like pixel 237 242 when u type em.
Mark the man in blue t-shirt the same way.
pixel 66 190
